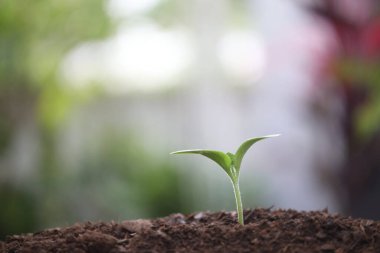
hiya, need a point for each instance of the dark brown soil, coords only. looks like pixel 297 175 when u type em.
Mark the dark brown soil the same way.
pixel 265 231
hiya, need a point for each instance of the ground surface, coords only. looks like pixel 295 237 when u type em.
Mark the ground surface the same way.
pixel 265 231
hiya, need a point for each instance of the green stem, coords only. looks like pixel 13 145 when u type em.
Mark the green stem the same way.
pixel 239 204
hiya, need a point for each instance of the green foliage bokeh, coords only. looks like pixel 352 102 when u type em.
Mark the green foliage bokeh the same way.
pixel 34 38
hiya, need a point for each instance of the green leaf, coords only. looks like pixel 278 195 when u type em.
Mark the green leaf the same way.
pixel 217 156
pixel 245 146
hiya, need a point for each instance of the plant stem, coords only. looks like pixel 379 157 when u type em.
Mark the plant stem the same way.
pixel 239 205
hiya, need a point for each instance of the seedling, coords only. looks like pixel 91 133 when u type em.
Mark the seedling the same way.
pixel 230 163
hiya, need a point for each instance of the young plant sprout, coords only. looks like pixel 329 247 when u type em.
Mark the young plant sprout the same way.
pixel 230 163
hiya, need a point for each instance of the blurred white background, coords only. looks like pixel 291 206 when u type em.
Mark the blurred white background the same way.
pixel 88 133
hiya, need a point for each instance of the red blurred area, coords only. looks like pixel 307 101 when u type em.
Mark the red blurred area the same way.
pixel 352 69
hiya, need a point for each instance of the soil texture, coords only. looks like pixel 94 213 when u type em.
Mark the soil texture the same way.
pixel 265 230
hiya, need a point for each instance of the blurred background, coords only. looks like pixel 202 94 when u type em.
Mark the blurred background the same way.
pixel 94 94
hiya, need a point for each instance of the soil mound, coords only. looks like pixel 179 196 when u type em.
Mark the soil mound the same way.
pixel 265 230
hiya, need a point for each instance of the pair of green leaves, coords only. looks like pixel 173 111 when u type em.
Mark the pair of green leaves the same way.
pixel 229 162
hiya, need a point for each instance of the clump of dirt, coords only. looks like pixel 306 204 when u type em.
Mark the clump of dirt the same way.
pixel 265 230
